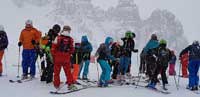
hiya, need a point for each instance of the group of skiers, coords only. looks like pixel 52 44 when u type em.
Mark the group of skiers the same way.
pixel 57 50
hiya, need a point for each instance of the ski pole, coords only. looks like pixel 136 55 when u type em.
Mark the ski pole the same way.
pixel 176 82
pixel 97 70
pixel 138 74
pixel 18 63
pixel 179 75
pixel 5 62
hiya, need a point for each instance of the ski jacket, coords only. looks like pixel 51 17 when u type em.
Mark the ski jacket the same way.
pixel 62 48
pixel 3 40
pixel 116 50
pixel 104 51
pixel 86 48
pixel 27 35
pixel 162 55
pixel 151 45
pixel 194 52
pixel 128 46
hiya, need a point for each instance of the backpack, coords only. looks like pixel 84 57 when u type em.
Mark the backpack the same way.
pixel 64 43
pixel 195 51
pixel 163 56
pixel 3 40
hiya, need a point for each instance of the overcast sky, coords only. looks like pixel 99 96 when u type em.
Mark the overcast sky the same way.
pixel 187 11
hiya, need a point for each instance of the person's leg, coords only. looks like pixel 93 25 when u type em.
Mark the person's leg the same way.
pixel 163 75
pixel 57 69
pixel 86 69
pixel 32 56
pixel 103 74
pixel 67 70
pixel 1 65
pixel 75 71
pixel 184 68
pixel 25 63
pixel 80 68
pixel 196 73
pixel 191 69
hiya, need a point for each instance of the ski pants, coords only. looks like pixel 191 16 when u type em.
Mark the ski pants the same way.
pixel 161 68
pixel 84 64
pixel 193 68
pixel 106 70
pixel 75 72
pixel 1 57
pixel 47 71
pixel 151 63
pixel 124 64
pixel 184 68
pixel 67 69
pixel 115 65
pixel 28 60
pixel 172 69
pixel 142 68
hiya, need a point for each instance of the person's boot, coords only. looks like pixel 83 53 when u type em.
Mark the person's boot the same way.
pixel 84 77
pixel 72 87
pixel 164 87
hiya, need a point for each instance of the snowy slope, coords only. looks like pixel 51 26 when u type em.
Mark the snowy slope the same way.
pixel 13 18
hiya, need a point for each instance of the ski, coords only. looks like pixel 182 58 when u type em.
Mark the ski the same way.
pixel 196 92
pixel 21 81
pixel 69 91
pixel 14 81
pixel 155 89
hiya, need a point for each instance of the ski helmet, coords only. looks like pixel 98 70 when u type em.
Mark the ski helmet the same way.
pixel 29 22
pixel 154 37
pixel 1 28
pixel 196 42
pixel 129 34
pixel 56 28
pixel 162 41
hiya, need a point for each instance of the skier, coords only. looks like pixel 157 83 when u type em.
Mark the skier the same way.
pixel 86 49
pixel 128 47
pixel 116 52
pixel 184 60
pixel 172 64
pixel 45 44
pixel 150 60
pixel 76 61
pixel 103 53
pixel 29 37
pixel 162 55
pixel 62 48
pixel 3 46
pixel 194 63
pixel 142 68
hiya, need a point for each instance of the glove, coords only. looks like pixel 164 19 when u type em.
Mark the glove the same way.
pixel 33 42
pixel 19 44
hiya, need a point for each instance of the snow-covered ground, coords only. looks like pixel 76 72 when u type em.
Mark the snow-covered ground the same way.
pixel 36 88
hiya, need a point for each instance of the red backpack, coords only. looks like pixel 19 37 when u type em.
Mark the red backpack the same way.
pixel 65 44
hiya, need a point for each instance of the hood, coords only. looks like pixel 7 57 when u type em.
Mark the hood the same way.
pixel 84 39
pixel 108 41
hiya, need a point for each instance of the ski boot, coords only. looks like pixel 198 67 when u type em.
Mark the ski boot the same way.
pixel 72 87
pixel 84 77
pixel 151 85
pixel 164 87
pixel 24 77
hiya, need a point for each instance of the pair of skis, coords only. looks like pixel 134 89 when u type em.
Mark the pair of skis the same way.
pixel 21 80
pixel 70 91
